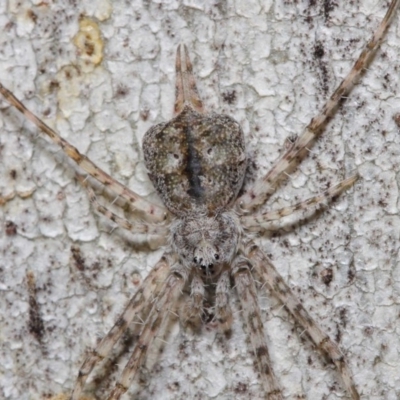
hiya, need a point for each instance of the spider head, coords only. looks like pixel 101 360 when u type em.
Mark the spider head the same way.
pixel 206 257
pixel 206 243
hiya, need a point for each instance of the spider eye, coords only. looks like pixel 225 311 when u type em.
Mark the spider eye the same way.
pixel 195 259
pixel 216 256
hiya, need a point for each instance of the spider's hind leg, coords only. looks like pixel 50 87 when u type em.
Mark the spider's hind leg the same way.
pixel 137 227
pixel 264 187
pixel 149 211
pixel 263 220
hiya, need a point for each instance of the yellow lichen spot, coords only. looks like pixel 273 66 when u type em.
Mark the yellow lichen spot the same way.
pixel 89 42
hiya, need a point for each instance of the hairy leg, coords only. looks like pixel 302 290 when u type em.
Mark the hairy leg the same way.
pixel 142 297
pixel 137 227
pixel 150 211
pixel 254 222
pixel 165 301
pixel 192 310
pixel 223 311
pixel 322 341
pixel 263 187
pixel 246 290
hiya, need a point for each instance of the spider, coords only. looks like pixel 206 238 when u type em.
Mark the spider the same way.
pixel 197 163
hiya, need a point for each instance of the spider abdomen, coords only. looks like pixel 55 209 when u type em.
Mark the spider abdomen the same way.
pixel 196 161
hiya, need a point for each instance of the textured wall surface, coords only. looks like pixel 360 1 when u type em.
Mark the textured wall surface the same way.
pixel 65 273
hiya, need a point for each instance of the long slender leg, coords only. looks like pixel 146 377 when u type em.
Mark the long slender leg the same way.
pixel 244 283
pixel 170 291
pixel 193 309
pixel 223 311
pixel 153 212
pixel 323 342
pixel 186 93
pixel 263 187
pixel 137 227
pixel 262 219
pixel 136 304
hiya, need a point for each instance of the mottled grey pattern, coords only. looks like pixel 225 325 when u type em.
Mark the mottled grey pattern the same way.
pixel 196 162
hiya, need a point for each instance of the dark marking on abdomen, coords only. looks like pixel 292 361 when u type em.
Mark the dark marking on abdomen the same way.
pixel 193 168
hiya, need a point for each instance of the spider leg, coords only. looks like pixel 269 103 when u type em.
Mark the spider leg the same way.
pixel 263 187
pixel 186 93
pixel 193 309
pixel 263 219
pixel 136 304
pixel 246 290
pixel 153 212
pixel 137 227
pixel 322 341
pixel 223 311
pixel 170 291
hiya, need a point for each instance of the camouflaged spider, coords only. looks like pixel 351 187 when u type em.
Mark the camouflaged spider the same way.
pixel 197 163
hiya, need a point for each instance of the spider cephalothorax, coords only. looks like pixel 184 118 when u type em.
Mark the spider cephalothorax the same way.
pixel 206 242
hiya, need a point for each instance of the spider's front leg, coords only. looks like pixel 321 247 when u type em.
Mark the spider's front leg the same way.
pixel 223 311
pixel 323 342
pixel 192 309
pixel 246 290
pixel 169 293
pixel 150 288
